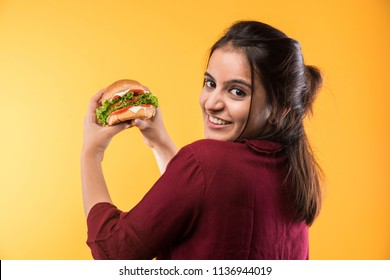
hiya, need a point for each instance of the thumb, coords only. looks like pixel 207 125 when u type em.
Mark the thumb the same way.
pixel 136 122
pixel 141 124
pixel 115 129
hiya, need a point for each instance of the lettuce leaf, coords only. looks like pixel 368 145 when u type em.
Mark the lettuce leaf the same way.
pixel 108 107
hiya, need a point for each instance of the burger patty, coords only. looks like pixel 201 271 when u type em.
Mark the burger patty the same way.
pixel 124 103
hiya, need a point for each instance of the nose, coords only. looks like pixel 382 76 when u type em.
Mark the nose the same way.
pixel 214 101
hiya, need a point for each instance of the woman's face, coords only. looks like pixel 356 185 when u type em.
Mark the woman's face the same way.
pixel 226 95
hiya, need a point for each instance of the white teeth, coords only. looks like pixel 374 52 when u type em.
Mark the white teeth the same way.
pixel 217 121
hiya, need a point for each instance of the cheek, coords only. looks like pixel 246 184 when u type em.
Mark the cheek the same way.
pixel 239 111
pixel 202 100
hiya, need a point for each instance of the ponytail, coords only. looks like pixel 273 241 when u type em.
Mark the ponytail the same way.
pixel 305 178
pixel 305 175
pixel 314 82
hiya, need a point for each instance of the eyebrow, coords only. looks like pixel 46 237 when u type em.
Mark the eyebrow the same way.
pixel 233 81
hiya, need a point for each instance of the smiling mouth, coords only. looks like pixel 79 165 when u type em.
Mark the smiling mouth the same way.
pixel 217 121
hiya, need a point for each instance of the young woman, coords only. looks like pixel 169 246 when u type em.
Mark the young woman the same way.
pixel 249 190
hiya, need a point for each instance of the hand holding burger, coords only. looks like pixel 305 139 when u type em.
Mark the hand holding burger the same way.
pixel 112 107
pixel 126 100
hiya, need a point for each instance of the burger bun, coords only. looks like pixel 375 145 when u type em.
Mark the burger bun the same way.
pixel 121 85
pixel 143 112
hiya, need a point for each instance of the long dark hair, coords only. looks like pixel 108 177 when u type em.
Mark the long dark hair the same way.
pixel 291 87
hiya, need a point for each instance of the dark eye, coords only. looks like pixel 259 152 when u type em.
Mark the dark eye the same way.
pixel 238 92
pixel 209 83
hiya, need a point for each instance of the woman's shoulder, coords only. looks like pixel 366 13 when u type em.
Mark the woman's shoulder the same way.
pixel 207 152
pixel 214 147
pixel 210 143
pixel 202 151
pixel 210 147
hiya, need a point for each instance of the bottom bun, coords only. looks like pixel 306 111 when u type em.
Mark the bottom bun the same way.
pixel 143 113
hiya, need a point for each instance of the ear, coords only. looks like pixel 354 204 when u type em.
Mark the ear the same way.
pixel 272 119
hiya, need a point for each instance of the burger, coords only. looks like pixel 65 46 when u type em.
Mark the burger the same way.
pixel 126 100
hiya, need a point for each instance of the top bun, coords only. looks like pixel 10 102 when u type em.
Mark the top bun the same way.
pixel 119 86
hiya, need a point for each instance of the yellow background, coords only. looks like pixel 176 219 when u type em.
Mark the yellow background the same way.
pixel 54 55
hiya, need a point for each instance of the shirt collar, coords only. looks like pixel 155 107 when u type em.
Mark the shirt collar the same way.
pixel 264 146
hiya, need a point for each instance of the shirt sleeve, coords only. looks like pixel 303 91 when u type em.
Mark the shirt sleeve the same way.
pixel 165 215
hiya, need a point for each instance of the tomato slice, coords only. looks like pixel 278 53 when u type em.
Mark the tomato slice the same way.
pixel 120 110
pixel 138 91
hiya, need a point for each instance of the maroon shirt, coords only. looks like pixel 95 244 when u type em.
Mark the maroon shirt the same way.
pixel 216 200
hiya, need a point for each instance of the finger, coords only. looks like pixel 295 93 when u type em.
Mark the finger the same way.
pixel 131 122
pixel 93 104
pixel 136 122
pixel 96 98
pixel 142 124
pixel 115 129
